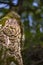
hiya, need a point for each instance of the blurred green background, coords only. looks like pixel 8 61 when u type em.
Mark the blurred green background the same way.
pixel 31 12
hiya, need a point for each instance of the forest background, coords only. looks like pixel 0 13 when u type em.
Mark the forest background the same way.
pixel 31 12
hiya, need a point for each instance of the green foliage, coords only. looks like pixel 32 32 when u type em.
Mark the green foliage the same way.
pixel 33 55
pixel 11 14
pixel 31 38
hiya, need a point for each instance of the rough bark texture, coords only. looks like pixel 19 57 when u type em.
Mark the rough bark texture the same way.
pixel 11 36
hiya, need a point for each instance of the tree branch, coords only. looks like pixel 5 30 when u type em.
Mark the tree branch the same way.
pixel 4 2
pixel 19 5
pixel 20 8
